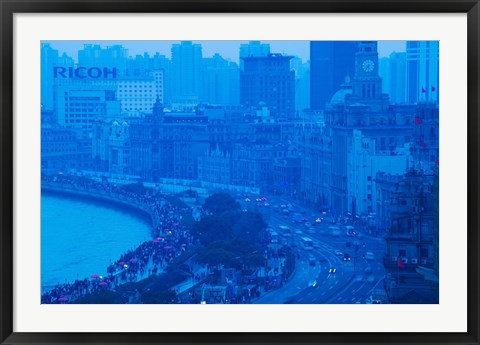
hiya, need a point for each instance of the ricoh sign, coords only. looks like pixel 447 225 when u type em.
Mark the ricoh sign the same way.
pixel 84 72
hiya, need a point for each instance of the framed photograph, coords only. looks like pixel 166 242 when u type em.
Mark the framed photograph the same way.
pixel 254 172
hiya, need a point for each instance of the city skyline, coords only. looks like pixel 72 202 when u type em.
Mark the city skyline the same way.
pixel 227 49
pixel 273 181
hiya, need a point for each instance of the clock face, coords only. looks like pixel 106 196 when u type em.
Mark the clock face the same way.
pixel 368 65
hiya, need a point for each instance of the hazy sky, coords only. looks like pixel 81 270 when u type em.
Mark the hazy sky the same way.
pixel 227 49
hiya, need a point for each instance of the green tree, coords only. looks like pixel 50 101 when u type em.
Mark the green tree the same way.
pixel 234 253
pixel 216 254
pixel 211 229
pixel 249 226
pixel 220 203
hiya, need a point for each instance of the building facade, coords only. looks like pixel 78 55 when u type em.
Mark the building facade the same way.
pixel 422 71
pixel 78 108
pixel 269 81
pixel 409 240
pixel 330 63
pixel 186 71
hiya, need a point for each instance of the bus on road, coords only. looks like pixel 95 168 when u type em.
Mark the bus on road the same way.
pixel 307 243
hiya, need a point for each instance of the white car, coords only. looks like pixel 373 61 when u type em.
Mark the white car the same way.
pixel 339 253
pixel 312 283
pixel 332 270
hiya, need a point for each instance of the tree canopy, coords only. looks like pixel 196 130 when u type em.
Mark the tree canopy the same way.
pixel 232 253
pixel 249 226
pixel 211 229
pixel 229 236
pixel 220 203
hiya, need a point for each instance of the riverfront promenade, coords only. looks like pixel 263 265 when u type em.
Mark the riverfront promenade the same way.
pixel 170 238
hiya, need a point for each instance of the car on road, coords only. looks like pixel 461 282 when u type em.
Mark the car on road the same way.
pixel 346 257
pixel 311 260
pixel 338 252
pixel 350 231
pixel 332 270
pixel 369 256
pixel 312 283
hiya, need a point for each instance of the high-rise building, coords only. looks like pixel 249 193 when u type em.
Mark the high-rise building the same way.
pixel 302 83
pixel 93 55
pixel 395 83
pixel 221 81
pixel 269 81
pixel 50 60
pixel 186 71
pixel 422 71
pixel 330 63
pixel 157 66
pixel 253 49
pixel 137 95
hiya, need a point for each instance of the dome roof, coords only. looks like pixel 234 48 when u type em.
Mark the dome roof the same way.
pixel 339 97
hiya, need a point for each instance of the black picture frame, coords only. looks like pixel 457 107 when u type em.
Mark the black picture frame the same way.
pixel 11 7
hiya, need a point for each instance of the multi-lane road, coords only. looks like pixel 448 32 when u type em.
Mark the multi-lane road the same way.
pixel 337 281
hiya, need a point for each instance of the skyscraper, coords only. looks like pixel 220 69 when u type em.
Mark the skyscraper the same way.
pixel 302 83
pixel 330 63
pixel 393 72
pixel 422 71
pixel 269 80
pixel 253 48
pixel 50 59
pixel 93 55
pixel 186 71
pixel 221 81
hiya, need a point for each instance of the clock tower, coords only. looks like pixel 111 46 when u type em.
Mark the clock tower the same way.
pixel 367 85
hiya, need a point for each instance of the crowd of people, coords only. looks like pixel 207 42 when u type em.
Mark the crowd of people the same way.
pixel 170 238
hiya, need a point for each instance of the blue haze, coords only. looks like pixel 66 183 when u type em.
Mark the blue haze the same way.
pixel 333 145
pixel 81 237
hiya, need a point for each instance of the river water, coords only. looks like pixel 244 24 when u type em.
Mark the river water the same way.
pixel 81 237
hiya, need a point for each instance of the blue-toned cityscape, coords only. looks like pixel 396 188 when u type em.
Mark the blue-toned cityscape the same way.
pixel 240 172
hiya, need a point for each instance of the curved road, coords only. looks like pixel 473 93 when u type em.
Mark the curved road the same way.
pixel 353 281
